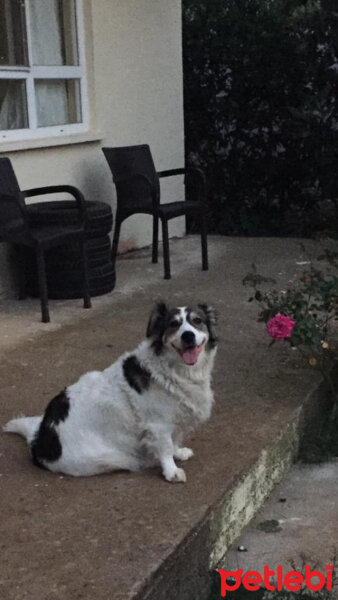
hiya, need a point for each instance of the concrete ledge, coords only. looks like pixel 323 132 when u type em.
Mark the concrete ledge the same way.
pixel 191 570
pixel 134 536
pixel 253 487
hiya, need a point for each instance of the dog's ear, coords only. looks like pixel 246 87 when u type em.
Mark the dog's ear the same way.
pixel 156 323
pixel 212 319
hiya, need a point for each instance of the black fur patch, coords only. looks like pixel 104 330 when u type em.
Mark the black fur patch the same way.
pixel 193 315
pixel 58 409
pixel 137 377
pixel 157 325
pixel 46 444
pixel 211 321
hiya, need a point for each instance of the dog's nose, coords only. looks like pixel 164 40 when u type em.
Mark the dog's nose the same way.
pixel 188 337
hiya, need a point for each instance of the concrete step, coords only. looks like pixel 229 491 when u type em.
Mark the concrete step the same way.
pixel 296 528
pixel 134 536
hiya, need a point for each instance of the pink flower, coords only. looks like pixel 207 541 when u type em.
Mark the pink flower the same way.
pixel 280 327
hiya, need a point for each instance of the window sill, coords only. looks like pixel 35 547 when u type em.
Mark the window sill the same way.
pixel 50 142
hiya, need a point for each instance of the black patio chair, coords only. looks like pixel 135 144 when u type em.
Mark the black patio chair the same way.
pixel 138 191
pixel 16 229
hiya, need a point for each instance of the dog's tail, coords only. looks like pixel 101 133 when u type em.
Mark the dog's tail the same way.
pixel 25 426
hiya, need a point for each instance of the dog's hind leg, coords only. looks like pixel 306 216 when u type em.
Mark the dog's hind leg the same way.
pixel 103 462
pixel 116 461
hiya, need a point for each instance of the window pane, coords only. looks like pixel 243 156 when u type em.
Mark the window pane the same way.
pixel 53 32
pixel 57 101
pixel 13 46
pixel 13 104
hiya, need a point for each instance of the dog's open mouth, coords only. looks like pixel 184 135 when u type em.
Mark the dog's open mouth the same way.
pixel 189 355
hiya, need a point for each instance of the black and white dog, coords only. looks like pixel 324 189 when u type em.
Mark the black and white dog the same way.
pixel 135 413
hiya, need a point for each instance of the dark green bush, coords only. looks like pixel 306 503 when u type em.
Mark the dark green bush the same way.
pixel 261 111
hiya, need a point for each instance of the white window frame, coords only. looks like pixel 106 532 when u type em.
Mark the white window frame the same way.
pixel 30 73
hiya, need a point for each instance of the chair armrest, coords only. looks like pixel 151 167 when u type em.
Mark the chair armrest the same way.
pixel 55 189
pixel 171 172
pixel 195 172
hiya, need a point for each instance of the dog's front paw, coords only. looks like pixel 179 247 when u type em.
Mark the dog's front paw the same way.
pixel 175 476
pixel 183 453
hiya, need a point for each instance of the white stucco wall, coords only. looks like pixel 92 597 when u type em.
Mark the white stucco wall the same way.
pixel 134 61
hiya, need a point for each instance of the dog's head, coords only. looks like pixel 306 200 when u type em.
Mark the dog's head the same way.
pixel 184 331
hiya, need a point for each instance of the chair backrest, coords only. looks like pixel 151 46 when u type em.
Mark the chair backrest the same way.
pixel 126 161
pixel 12 205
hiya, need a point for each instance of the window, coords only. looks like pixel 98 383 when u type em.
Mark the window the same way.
pixel 42 76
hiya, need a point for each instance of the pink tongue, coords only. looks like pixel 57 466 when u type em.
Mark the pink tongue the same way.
pixel 190 356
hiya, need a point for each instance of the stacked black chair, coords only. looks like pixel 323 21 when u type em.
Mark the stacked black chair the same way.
pixel 138 191
pixel 15 227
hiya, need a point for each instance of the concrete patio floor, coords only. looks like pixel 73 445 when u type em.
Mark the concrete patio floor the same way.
pixel 134 536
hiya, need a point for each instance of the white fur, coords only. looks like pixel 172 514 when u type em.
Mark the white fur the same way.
pixel 26 426
pixel 110 426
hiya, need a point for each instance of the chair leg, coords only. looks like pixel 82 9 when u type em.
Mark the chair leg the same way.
pixel 204 241
pixel 166 256
pixel 22 255
pixel 115 240
pixel 40 260
pixel 155 240
pixel 86 290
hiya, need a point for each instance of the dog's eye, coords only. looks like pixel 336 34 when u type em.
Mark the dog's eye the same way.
pixel 174 323
pixel 197 320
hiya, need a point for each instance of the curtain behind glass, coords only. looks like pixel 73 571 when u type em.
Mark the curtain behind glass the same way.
pixel 53 44
pixel 53 32
pixel 46 34
pixel 57 101
pixel 51 98
pixel 13 109
pixel 13 43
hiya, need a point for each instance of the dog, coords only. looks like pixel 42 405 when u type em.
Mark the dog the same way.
pixel 134 414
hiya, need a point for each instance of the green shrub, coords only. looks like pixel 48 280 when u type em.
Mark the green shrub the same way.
pixel 305 315
pixel 261 110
